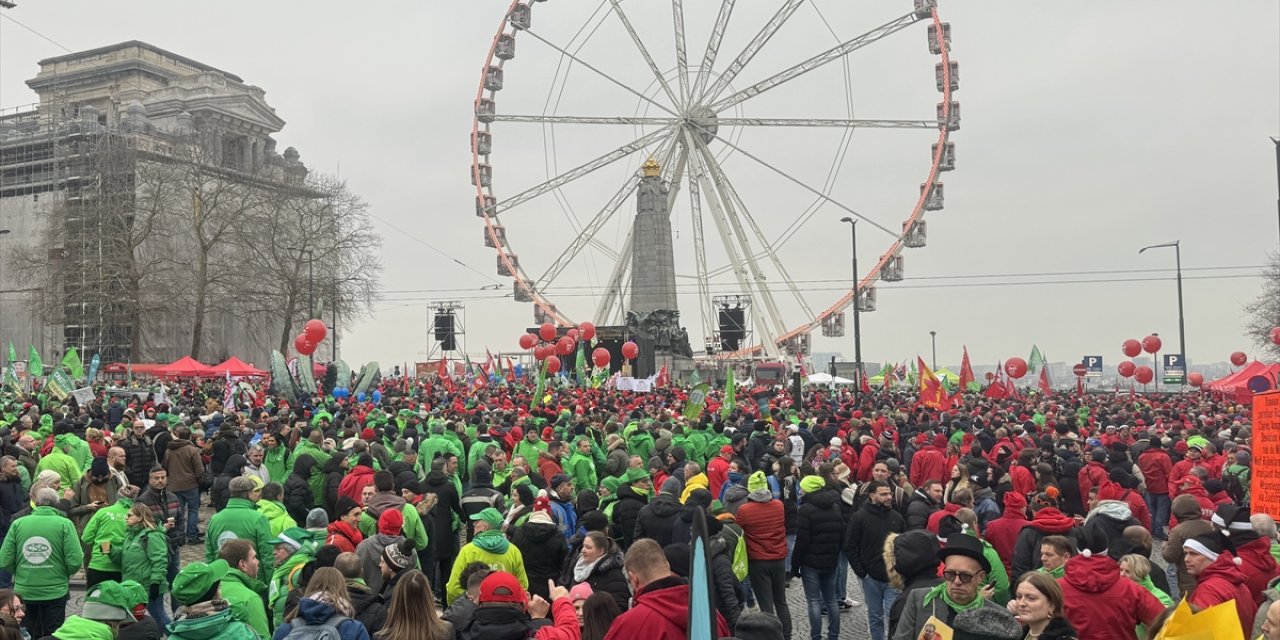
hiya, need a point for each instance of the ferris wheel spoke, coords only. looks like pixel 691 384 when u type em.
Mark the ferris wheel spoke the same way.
pixel 842 123
pixel 727 189
pixel 713 47
pixel 644 52
pixel 753 47
pixel 580 171
pixel 830 55
pixel 553 120
pixel 805 186
pixel 602 74
pixel 700 255
pixel 682 61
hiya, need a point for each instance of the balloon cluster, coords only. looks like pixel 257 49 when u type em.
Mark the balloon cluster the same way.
pixel 1131 349
pixel 549 349
pixel 313 333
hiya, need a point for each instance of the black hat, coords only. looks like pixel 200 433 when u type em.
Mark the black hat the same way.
pixel 967 546
pixel 1232 520
pixel 345 505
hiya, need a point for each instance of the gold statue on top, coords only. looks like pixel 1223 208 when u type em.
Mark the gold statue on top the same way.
pixel 651 168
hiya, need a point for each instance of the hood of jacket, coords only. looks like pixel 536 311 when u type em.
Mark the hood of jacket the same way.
pixel 271 509
pixel 539 532
pixel 203 621
pixel 302 466
pixel 78 628
pixel 235 465
pixel 1185 508
pixel 1094 574
pixel 824 498
pixel 178 444
pixel 1113 509
pixel 383 501
pixel 437 479
pixel 1224 568
pixel 1051 521
pixel 667 597
pixel 909 555
pixel 665 505
pixel 314 611
pixel 333 464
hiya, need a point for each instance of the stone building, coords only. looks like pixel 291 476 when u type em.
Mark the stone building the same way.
pixel 74 159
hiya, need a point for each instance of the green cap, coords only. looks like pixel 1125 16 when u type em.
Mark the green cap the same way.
pixel 196 579
pixel 295 537
pixel 135 593
pixel 611 483
pixel 634 475
pixel 491 516
pixel 717 508
pixel 107 601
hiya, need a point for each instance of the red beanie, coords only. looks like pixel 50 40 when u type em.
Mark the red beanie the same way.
pixel 1014 501
pixel 391 522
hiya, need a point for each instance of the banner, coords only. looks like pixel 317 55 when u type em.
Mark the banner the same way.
pixel 11 381
pixel 71 362
pixel 94 364
pixel 730 395
pixel 83 395
pixel 1264 487
pixel 637 385
pixel 34 364
pixel 59 385
pixel 697 400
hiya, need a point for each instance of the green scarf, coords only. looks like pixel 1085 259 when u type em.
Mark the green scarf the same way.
pixel 492 541
pixel 1055 573
pixel 941 591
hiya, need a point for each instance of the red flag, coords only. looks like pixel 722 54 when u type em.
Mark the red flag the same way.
pixel 864 386
pixel 1010 390
pixel 1045 386
pixel 1080 386
pixel 664 378
pixel 887 378
pixel 488 365
pixel 966 371
pixel 511 371
pixel 931 392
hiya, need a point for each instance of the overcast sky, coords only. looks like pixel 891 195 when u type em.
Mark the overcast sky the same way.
pixel 1090 129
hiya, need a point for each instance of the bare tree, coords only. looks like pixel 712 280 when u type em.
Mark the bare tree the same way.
pixel 1263 314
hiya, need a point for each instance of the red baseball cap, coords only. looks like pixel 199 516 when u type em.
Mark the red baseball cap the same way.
pixel 501 586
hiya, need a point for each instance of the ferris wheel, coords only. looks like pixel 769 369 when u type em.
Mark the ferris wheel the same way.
pixel 685 110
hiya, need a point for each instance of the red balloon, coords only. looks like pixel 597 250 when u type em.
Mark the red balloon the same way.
pixel 1275 335
pixel 527 341
pixel 630 350
pixel 1131 348
pixel 547 332
pixel 1015 367
pixel 553 364
pixel 572 333
pixel 1151 343
pixel 588 331
pixel 1195 378
pixel 601 357
pixel 539 353
pixel 303 345
pixel 565 346
pixel 315 330
pixel 1239 358
pixel 1125 369
pixel 1143 374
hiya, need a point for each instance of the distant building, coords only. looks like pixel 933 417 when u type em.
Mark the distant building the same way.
pixel 75 157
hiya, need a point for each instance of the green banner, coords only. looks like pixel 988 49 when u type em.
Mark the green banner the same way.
pixel 71 361
pixel 11 381
pixel 536 401
pixel 35 366
pixel 730 395
pixel 59 385
pixel 697 400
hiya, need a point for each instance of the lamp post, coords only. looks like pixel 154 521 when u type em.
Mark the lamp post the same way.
pixel 1182 330
pixel 857 323
pixel 933 339
pixel 3 232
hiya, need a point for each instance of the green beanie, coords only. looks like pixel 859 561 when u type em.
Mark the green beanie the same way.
pixel 811 484
pixel 757 482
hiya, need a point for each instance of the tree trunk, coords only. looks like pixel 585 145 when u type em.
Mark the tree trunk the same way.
pixel 202 293
pixel 290 310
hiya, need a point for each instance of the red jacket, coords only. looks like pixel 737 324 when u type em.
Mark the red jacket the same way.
pixel 765 527
pixel 1156 467
pixel 1178 471
pixel 1093 474
pixel 344 536
pixel 948 509
pixel 929 463
pixel 717 474
pixel 354 483
pixel 1100 603
pixel 660 612
pixel 548 468
pixel 1258 565
pixel 564 624
pixel 1220 582
pixel 1003 532
pixel 1023 481
pixel 867 459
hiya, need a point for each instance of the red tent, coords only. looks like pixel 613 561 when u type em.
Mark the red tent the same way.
pixel 237 367
pixel 187 367
pixel 1236 385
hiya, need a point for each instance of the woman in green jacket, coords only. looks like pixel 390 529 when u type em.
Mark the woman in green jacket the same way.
pixel 144 558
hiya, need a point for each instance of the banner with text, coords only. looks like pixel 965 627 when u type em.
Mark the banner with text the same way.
pixel 1265 476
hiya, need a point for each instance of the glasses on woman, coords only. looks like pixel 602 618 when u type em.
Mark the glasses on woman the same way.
pixel 965 578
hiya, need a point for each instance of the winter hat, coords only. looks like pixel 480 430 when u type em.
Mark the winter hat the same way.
pixel 482 475
pixel 1209 545
pixel 1014 501
pixel 391 522
pixel 978 468
pixel 345 505
pixel 1231 520
pixel 399 556
pixel 108 601
pixel 594 520
pixel 758 625
pixel 559 479
pixel 672 486
pixel 757 482
pixel 488 515
pixel 99 467
pixel 812 484
pixel 293 537
pixel 611 483
pixel 580 591
pixel 678 557
pixel 634 475
pixel 986 623
pixel 317 519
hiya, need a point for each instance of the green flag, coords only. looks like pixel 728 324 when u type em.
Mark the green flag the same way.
pixel 1036 360
pixel 13 355
pixel 581 365
pixel 695 379
pixel 730 395
pixel 59 385
pixel 697 400
pixel 542 387
pixel 34 366
pixel 11 377
pixel 71 361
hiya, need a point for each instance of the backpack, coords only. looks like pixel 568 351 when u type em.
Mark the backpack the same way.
pixel 1236 484
pixel 327 630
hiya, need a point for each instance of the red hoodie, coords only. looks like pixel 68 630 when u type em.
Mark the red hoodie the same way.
pixel 1023 481
pixel 1220 582
pixel 1100 603
pixel 717 474
pixel 867 460
pixel 1003 532
pixel 929 463
pixel 1258 565
pixel 1156 467
pixel 1093 474
pixel 948 509
pixel 357 479
pixel 660 612
pixel 344 536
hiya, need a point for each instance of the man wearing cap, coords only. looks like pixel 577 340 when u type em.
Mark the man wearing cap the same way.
pixel 42 552
pixel 240 519
pixel 490 547
pixel 506 612
pixel 965 568
pixel 397 559
pixel 292 549
pixel 105 603
pixel 390 525
pixel 204 614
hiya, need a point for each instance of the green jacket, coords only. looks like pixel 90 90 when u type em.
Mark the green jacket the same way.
pixel 77 628
pixel 477 450
pixel 276 516
pixel 62 464
pixel 509 560
pixel 530 451
pixel 437 443
pixel 583 470
pixel 277 463
pixel 209 623
pixel 106 525
pixel 641 444
pixel 42 552
pixel 286 578
pixel 240 520
pixel 317 476
pixel 144 557
pixel 412 528
pixel 247 598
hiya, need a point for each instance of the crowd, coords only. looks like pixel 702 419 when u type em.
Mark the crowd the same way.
pixel 446 511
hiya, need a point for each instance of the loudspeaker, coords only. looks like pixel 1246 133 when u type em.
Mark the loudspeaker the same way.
pixel 444 331
pixel 732 328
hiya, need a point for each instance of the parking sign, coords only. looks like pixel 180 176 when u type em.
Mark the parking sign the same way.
pixel 1175 368
pixel 1092 366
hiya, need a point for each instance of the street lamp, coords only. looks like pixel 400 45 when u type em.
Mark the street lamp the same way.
pixel 1182 330
pixel 857 323
pixel 933 338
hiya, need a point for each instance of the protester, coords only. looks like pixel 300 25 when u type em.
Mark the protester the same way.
pixel 42 579
pixel 505 612
pixel 143 557
pixel 763 522
pixel 246 595
pixel 204 614
pixel 661 607
pixel 964 569
pixel 411 614
pixel 241 520
pixel 490 547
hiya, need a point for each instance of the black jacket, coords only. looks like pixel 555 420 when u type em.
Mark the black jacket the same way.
pixel 403 473
pixel 221 491
pixel 500 623
pixel 160 438
pixel 756 448
pixel 144 629
pixel 369 608
pixel 333 475
pixel 164 505
pixel 12 500
pixel 914 558
pixel 607 577
pixel 820 532
pixel 228 444
pixel 864 542
pixel 298 498
pixel 657 519
pixel 919 510
pixel 543 548
pixel 440 542
pixel 722 578
pixel 625 513
pixel 139 457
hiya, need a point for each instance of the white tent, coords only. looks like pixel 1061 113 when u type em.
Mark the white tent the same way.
pixel 827 379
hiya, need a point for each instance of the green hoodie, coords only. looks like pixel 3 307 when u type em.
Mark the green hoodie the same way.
pixel 77 628
pixel 246 597
pixel 286 578
pixel 306 447
pixel 240 519
pixel 582 468
pixel 640 444
pixel 411 529
pixel 275 460
pixel 42 551
pixel 530 450
pixel 143 557
pixel 276 516
pixel 64 465
pixel 205 622
pixel 493 550
pixel 106 525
